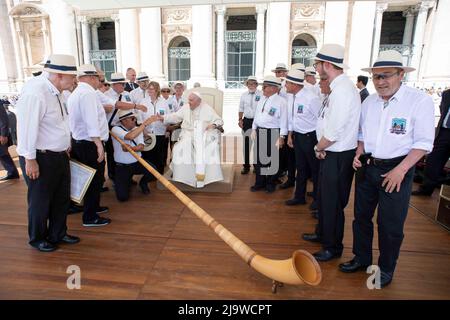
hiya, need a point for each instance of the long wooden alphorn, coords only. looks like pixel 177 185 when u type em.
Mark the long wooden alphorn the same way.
pixel 302 268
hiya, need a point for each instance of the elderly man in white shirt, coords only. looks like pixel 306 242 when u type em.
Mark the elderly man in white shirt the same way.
pixel 270 128
pixel 196 156
pixel 337 135
pixel 396 131
pixel 89 129
pixel 247 108
pixel 43 144
pixel 138 94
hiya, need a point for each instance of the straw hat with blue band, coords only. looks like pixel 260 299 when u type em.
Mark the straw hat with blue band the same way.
pixel 310 71
pixel 332 53
pixel 87 70
pixel 124 114
pixel 271 81
pixel 298 66
pixel 389 59
pixel 295 76
pixel 61 63
pixel 251 78
pixel 280 67
pixel 117 77
pixel 142 76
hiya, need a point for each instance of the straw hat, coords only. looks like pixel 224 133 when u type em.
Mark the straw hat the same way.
pixel 117 77
pixel 295 76
pixel 142 76
pixel 124 114
pixel 87 70
pixel 61 63
pixel 389 59
pixel 310 71
pixel 251 78
pixel 177 83
pixel 298 66
pixel 280 67
pixel 272 81
pixel 332 53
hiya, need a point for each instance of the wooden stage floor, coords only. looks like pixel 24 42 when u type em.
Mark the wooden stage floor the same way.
pixel 155 248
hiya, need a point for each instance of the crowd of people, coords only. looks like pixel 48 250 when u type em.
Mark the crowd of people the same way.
pixel 301 129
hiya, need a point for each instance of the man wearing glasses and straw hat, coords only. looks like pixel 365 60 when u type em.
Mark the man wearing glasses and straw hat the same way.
pixel 396 131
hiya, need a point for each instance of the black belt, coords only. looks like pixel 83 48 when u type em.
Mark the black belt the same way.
pixel 85 141
pixel 386 162
pixel 125 164
pixel 51 152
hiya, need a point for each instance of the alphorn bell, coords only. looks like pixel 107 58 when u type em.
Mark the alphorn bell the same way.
pixel 301 268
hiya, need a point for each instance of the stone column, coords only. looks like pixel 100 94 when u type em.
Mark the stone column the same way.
pixel 419 32
pixel 381 7
pixel 220 58
pixel 129 39
pixel 8 54
pixel 202 46
pixel 151 42
pixel 260 31
pixel 46 36
pixel 85 34
pixel 62 21
pixel 116 19
pixel 409 26
pixel 278 28
pixel 94 35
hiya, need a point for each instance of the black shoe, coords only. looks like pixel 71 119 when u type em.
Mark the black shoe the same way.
pixel 97 222
pixel 315 215
pixel 352 266
pixel 104 189
pixel 11 177
pixel 385 279
pixel 313 206
pixel 102 210
pixel 69 239
pixel 45 246
pixel 144 188
pixel 421 193
pixel 310 194
pixel 245 170
pixel 325 255
pixel 270 188
pixel 287 184
pixel 294 202
pixel 312 237
pixel 75 209
pixel 256 188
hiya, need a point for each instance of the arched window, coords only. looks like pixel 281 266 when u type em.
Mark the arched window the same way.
pixel 304 49
pixel 179 59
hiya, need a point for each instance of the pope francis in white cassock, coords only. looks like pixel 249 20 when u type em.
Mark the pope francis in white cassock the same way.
pixel 196 156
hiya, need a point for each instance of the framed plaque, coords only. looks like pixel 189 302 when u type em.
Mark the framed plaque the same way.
pixel 81 176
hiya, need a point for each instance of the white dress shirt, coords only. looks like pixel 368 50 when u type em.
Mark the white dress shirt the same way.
pixel 249 101
pixel 159 107
pixel 407 122
pixel 315 89
pixel 124 96
pixel 271 113
pixel 121 156
pixel 138 94
pixel 175 104
pixel 283 93
pixel 87 116
pixel 303 110
pixel 339 120
pixel 104 99
pixel 42 119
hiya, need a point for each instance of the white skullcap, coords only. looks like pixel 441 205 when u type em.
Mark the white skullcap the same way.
pixel 197 94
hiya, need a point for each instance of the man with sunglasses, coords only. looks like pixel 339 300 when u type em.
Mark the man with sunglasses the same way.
pixel 396 131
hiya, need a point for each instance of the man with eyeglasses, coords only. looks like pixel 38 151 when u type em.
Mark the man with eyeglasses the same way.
pixel 165 91
pixel 127 165
pixel 337 135
pixel 396 131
